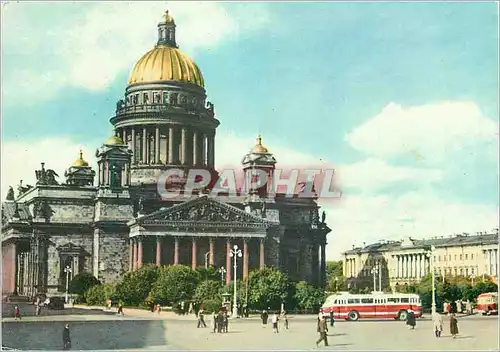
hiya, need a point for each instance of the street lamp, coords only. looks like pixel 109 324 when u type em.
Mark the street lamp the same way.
pixel 68 271
pixel 374 273
pixel 235 253
pixel 206 259
pixel 433 271
pixel 222 272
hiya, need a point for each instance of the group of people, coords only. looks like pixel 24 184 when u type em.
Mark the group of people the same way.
pixel 275 319
pixel 220 321
pixel 437 321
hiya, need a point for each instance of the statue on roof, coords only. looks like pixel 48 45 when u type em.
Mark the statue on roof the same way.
pixel 22 189
pixel 10 194
pixel 323 217
pixel 46 177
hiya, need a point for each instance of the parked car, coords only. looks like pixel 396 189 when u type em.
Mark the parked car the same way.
pixel 55 303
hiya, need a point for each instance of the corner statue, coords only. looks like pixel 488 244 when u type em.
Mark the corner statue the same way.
pixel 10 194
pixel 46 177
pixel 323 217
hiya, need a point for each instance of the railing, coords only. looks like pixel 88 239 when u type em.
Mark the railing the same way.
pixel 140 108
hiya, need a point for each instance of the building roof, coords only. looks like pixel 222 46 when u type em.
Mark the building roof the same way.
pixel 452 241
pixel 9 209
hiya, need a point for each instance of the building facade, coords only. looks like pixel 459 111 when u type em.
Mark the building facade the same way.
pixel 163 122
pixel 394 263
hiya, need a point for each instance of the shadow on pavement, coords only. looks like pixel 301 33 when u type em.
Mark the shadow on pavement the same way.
pixel 341 334
pixel 85 335
pixel 29 310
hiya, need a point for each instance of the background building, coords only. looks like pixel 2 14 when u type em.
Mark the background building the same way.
pixel 164 121
pixel 407 261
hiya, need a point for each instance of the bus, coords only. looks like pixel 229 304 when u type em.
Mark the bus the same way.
pixel 375 305
pixel 487 303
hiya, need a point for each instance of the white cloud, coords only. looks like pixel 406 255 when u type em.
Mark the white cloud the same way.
pixel 433 131
pixel 89 49
pixel 354 218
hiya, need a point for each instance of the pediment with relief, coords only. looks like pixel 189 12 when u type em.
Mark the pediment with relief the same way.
pixel 205 210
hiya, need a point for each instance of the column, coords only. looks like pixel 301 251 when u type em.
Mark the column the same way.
pixel 183 146
pixel 211 255
pixel 245 258
pixel 136 254
pixel 124 135
pixel 210 150
pixel 170 145
pixel 403 266
pixel 195 148
pixel 134 157
pixel 193 254
pixel 176 251
pixel 323 264
pixel 228 261
pixel 203 149
pixel 144 145
pixel 139 253
pixel 496 262
pixel 262 261
pixel 157 145
pixel 130 255
pixel 158 250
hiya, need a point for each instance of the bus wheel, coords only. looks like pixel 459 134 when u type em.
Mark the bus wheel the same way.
pixel 402 315
pixel 353 315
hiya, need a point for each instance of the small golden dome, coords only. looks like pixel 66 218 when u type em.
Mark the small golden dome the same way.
pixel 114 140
pixel 167 19
pixel 165 63
pixel 259 148
pixel 80 162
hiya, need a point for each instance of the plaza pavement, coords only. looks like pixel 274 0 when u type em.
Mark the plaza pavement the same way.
pixel 142 330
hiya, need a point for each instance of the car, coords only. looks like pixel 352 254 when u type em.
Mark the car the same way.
pixel 55 303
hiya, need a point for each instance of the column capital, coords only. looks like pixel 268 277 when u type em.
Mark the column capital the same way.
pixel 159 238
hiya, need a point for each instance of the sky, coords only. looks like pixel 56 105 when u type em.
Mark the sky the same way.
pixel 400 98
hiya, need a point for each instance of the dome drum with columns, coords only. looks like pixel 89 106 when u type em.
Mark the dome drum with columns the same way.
pixel 122 223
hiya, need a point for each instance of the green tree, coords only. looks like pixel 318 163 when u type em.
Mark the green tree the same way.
pixel 334 268
pixel 97 295
pixel 135 286
pixel 208 290
pixel 308 297
pixel 174 284
pixel 336 283
pixel 82 282
pixel 267 288
pixel 209 273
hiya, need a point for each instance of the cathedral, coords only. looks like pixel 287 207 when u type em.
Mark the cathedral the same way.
pixel 112 220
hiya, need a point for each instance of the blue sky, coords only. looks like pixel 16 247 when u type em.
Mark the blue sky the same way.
pixel 401 97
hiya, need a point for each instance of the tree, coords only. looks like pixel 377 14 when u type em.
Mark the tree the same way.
pixel 267 287
pixel 337 283
pixel 135 286
pixel 209 273
pixel 208 290
pixel 82 282
pixel 334 268
pixel 97 295
pixel 174 284
pixel 308 297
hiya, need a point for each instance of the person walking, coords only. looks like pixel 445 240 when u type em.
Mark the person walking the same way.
pixel 437 321
pixel 17 313
pixel 468 307
pixel 453 325
pixel 214 322
pixel 274 320
pixel 201 319
pixel 66 338
pixel 332 320
pixel 411 320
pixel 225 322
pixel 322 329
pixel 120 309
pixel 264 317
pixel 285 319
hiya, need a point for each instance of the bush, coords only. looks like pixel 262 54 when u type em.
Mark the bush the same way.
pixel 97 295
pixel 308 297
pixel 208 290
pixel 82 282
pixel 212 305
pixel 135 286
pixel 174 284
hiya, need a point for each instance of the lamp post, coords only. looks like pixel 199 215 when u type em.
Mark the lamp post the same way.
pixel 68 271
pixel 222 272
pixel 374 273
pixel 235 253
pixel 433 271
pixel 206 259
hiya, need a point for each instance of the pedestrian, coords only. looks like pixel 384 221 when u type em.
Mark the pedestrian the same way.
pixel 225 322
pixel 468 307
pixel 66 338
pixel 274 320
pixel 214 322
pixel 285 319
pixel 220 322
pixel 264 317
pixel 322 329
pixel 17 313
pixel 120 309
pixel 411 320
pixel 332 321
pixel 437 321
pixel 158 308
pixel 453 325
pixel 201 319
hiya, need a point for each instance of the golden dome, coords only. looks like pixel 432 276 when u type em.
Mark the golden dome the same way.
pixel 114 140
pixel 165 63
pixel 259 148
pixel 80 162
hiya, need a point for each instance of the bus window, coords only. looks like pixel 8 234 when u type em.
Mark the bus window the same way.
pixel 352 300
pixel 392 300
pixel 366 300
pixel 405 300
